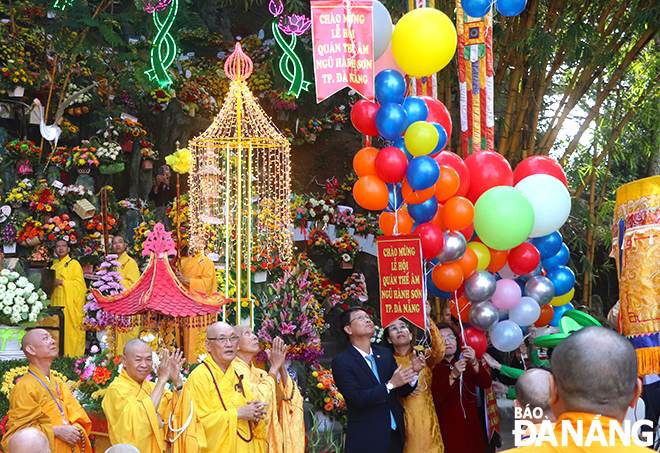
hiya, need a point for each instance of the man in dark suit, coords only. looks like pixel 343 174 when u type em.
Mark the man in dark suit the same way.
pixel 370 381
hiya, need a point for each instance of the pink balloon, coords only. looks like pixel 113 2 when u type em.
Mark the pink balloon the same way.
pixel 387 61
pixel 507 295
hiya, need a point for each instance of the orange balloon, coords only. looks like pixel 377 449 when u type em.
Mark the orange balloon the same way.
pixel 447 184
pixel 547 313
pixel 468 262
pixel 415 197
pixel 437 219
pixel 458 213
pixel 447 277
pixel 460 308
pixel 371 193
pixel 364 161
pixel 497 259
pixel 402 221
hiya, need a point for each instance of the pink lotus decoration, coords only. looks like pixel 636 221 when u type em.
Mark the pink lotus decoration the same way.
pixel 276 8
pixel 294 24
pixel 151 6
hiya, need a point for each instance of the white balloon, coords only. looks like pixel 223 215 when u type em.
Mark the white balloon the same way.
pixel 382 28
pixel 506 272
pixel 526 312
pixel 550 200
pixel 506 336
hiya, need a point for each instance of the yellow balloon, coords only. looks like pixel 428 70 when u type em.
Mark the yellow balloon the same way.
pixel 483 254
pixel 563 300
pixel 421 138
pixel 424 41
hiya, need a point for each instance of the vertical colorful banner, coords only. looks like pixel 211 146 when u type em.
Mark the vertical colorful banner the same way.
pixel 342 37
pixel 401 279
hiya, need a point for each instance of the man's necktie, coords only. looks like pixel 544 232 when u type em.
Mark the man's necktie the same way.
pixel 374 368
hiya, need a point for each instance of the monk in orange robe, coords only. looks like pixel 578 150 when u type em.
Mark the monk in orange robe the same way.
pixel 43 401
pixel 593 381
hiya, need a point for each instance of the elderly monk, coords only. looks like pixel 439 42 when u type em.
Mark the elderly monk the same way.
pixel 42 401
pixel 28 440
pixel 130 273
pixel 198 276
pixel 284 413
pixel 70 291
pixel 147 415
pixel 122 448
pixel 593 380
pixel 232 418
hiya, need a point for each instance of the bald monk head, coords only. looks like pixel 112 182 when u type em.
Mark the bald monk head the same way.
pixel 248 343
pixel 533 390
pixel 594 371
pixel 28 440
pixel 39 346
pixel 122 448
pixel 221 343
pixel 137 360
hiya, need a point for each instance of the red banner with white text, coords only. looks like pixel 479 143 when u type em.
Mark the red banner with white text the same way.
pixel 401 279
pixel 342 37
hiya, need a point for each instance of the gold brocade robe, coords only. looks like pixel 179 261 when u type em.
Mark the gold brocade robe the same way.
pixel 71 295
pixel 422 428
pixel 201 272
pixel 32 406
pixel 217 409
pixel 131 273
pixel 132 418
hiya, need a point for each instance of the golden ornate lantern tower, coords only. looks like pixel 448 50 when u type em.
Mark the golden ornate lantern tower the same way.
pixel 240 186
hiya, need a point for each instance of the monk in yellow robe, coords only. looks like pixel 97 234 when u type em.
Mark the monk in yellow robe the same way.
pixel 70 291
pixel 147 415
pixel 593 382
pixel 232 418
pixel 197 273
pixel 283 397
pixel 43 401
pixel 130 273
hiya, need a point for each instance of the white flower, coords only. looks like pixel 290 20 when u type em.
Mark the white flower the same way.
pixel 22 282
pixel 32 317
pixel 25 309
pixel 29 287
pixel 5 272
pixel 6 310
pixel 19 292
pixel 11 286
pixel 201 358
pixel 148 337
pixel 3 281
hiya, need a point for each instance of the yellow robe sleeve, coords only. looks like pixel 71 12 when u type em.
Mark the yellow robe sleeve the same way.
pixel 129 270
pixel 292 420
pixel 71 295
pixel 192 439
pixel 201 273
pixel 437 348
pixel 131 415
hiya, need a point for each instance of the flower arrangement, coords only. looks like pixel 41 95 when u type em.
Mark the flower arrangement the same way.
pixel 96 374
pixel 74 192
pixel 30 232
pixel 11 378
pixel 319 239
pixel 60 156
pixel 355 287
pixel 15 74
pixel 79 106
pixel 291 312
pixel 108 284
pixel 19 194
pixel 281 100
pixel 8 233
pixel 345 248
pixel 108 152
pixel 83 157
pixel 338 116
pixel 323 394
pixel 21 151
pixel 179 161
pixel 161 97
pixel 89 249
pixel 61 228
pixel 362 224
pixel 128 129
pixel 68 130
pixel 23 302
pixel 40 256
pixel 96 223
pixel 196 97
pixel 148 151
pixel 315 210
pixel 42 199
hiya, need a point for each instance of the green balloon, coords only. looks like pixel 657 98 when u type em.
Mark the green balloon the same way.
pixel 503 217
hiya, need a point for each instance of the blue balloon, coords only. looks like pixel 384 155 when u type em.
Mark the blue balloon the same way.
pixel 390 86
pixel 423 212
pixel 559 259
pixel 422 173
pixel 548 245
pixel 476 8
pixel 442 139
pixel 396 198
pixel 562 278
pixel 559 312
pixel 416 109
pixel 510 8
pixel 391 121
pixel 521 284
pixel 432 289
pixel 401 144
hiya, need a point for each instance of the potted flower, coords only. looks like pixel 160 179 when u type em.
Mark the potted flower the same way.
pixel 71 194
pixel 80 105
pixel 281 102
pixel 149 154
pixel 345 249
pixel 338 117
pixel 19 194
pixel 83 158
pixel 59 157
pixel 25 154
pixel 109 155
pixel 15 78
pixel 89 250
pixel 43 200
pixel 68 130
pixel 30 232
pixel 324 396
pixel 8 237
pixel 128 131
pixel 60 228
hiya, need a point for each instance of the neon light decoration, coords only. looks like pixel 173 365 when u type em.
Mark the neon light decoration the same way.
pixel 290 65
pixel 163 50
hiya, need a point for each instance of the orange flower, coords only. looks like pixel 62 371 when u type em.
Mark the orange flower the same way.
pixel 328 406
pixel 101 375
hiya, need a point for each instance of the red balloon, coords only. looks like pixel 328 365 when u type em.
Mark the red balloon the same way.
pixel 363 117
pixel 438 113
pixel 524 258
pixel 449 159
pixel 468 232
pixel 432 240
pixel 460 308
pixel 391 164
pixel 476 340
pixel 487 170
pixel 535 165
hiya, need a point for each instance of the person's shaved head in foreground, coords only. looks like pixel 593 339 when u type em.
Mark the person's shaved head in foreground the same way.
pixel 595 371
pixel 131 346
pixel 533 390
pixel 122 448
pixel 28 440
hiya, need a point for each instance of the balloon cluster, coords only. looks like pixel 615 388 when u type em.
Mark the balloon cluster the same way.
pixel 479 8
